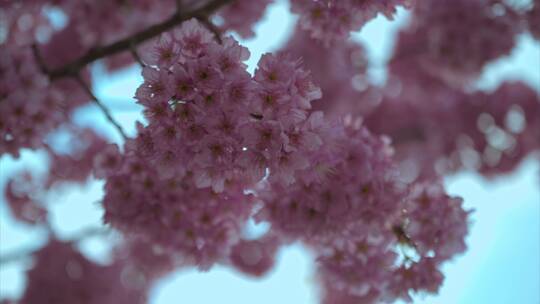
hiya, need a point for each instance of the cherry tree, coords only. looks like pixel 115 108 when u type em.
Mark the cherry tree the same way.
pixel 307 143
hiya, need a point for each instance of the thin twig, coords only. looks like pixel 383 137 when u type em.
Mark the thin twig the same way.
pixel 39 59
pixel 136 57
pixel 402 237
pixel 101 106
pixel 72 68
pixel 211 27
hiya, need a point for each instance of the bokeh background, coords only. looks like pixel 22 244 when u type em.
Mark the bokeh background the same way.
pixel 501 266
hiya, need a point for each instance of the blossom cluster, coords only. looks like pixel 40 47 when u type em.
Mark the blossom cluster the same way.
pixel 376 268
pixel 241 15
pixel 340 71
pixel 436 125
pixel 25 191
pixel 205 109
pixel 63 275
pixel 331 20
pixel 454 40
pixel 197 225
pixel 489 132
pixel 20 195
pixel 306 144
pixel 214 131
pixel 31 107
pixel 358 217
pixel 255 257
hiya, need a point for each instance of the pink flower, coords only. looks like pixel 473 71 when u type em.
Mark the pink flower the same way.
pixel 19 194
pixel 230 59
pixel 165 52
pixel 274 72
pixel 194 39
pixel 454 40
pixel 333 20
pixel 156 87
pixel 78 163
pixel 205 75
pixel 305 90
pixel 264 136
pixel 283 168
pixel 253 164
pixel 241 16
pixel 75 279
pixel 255 257
pixel 436 222
pixel 183 84
pixel 420 276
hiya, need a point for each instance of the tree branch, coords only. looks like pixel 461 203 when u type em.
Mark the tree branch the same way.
pixel 136 56
pixel 73 68
pixel 211 27
pixel 104 109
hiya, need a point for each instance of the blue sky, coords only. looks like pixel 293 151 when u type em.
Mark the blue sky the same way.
pixel 501 266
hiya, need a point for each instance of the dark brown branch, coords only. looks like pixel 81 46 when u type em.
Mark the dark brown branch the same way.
pixel 402 236
pixel 101 106
pixel 211 27
pixel 72 69
pixel 137 57
pixel 39 59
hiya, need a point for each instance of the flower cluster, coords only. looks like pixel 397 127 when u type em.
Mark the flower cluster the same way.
pixel 31 106
pixel 371 269
pixel 220 146
pixel 76 164
pixel 198 225
pixel 454 40
pixel 62 275
pixel 241 15
pixel 195 95
pixel 284 131
pixel 340 71
pixel 435 222
pixel 355 184
pixel 255 257
pixel 331 20
pixel 20 195
pixel 25 192
pixel 353 220
pixel 490 132
pixel 145 261
pixel 214 131
pixel 208 117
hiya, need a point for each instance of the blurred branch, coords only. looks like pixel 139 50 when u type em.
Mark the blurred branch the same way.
pixel 104 109
pixel 73 68
pixel 39 59
pixel 211 27
pixel 402 237
pixel 23 253
pixel 85 87
pixel 136 57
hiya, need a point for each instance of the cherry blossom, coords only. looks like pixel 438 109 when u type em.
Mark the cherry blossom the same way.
pixel 331 20
pixel 308 143
pixel 78 280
